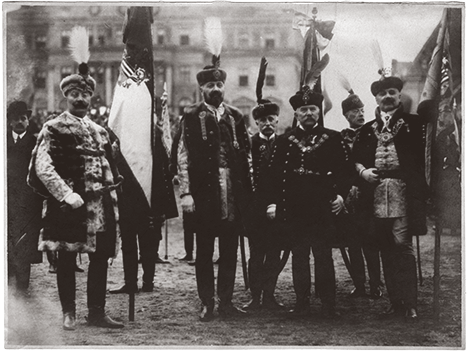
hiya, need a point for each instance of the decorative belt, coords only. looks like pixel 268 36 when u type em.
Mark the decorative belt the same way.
pixel 392 173
pixel 303 171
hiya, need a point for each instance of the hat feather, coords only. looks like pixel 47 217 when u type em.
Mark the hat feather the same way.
pixel 261 76
pixel 344 82
pixel 79 45
pixel 213 37
pixel 378 56
pixel 315 71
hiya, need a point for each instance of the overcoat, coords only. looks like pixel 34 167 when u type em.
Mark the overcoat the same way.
pixel 75 155
pixel 260 228
pixel 410 146
pixel 203 136
pixel 307 172
pixel 24 206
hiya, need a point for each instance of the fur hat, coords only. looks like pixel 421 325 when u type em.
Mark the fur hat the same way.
pixel 305 97
pixel 211 74
pixel 351 102
pixel 386 83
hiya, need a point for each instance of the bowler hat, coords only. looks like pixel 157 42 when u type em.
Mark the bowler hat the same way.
pixel 17 108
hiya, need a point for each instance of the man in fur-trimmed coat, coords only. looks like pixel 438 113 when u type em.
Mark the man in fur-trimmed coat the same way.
pixel 215 183
pixel 72 167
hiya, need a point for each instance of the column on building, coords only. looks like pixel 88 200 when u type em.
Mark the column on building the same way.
pixel 108 84
pixel 51 74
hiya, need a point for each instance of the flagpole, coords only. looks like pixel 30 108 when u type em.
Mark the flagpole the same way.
pixel 431 91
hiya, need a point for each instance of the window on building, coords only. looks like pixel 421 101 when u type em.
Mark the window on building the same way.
pixel 184 40
pixel 185 74
pixel 100 74
pixel 101 40
pixel 270 80
pixel 91 40
pixel 66 71
pixel 118 36
pixel 160 37
pixel 40 79
pixel 243 81
pixel 41 41
pixel 65 38
pixel 269 44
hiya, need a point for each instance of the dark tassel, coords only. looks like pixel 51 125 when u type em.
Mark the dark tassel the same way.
pixel 83 69
pixel 216 61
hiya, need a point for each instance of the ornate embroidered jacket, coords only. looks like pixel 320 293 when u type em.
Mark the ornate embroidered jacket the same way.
pixel 213 162
pixel 307 171
pixel 405 161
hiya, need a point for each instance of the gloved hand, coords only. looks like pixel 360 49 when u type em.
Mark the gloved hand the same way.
pixel 271 211
pixel 188 204
pixel 74 200
pixel 370 175
pixel 337 205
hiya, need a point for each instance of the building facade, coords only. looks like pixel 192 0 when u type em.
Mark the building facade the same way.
pixel 39 52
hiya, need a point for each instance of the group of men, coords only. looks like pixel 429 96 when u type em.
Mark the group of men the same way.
pixel 285 192
pixel 300 186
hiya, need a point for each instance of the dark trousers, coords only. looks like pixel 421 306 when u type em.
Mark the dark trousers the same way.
pixel 148 243
pixel 371 253
pixel 19 268
pixel 96 284
pixel 325 279
pixel 398 258
pixel 263 268
pixel 188 233
pixel 228 245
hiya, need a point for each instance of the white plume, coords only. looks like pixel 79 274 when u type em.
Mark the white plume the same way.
pixel 377 55
pixel 213 35
pixel 344 82
pixel 79 44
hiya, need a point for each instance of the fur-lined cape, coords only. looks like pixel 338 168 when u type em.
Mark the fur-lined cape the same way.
pixel 81 156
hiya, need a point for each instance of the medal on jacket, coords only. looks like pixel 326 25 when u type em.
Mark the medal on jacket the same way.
pixel 202 118
pixel 235 142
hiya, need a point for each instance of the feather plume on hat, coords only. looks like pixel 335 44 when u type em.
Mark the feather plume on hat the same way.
pixel 79 47
pixel 378 57
pixel 213 38
pixel 344 82
pixel 260 82
pixel 386 80
pixel 265 107
pixel 313 75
